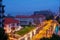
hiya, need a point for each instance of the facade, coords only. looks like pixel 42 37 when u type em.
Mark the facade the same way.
pixel 38 18
pixel 24 20
pixel 47 13
pixel 11 24
pixel 32 19
pixel 1 14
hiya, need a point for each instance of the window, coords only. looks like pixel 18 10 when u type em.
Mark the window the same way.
pixel 18 24
pixel 13 24
pixel 24 22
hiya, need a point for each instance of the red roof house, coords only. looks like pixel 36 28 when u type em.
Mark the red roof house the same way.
pixel 10 20
pixel 10 24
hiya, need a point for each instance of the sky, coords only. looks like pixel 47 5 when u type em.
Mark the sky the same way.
pixel 27 7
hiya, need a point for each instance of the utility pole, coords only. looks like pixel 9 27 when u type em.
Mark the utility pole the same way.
pixel 1 14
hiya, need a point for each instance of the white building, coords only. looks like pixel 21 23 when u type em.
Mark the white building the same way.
pixel 33 19
pixel 10 24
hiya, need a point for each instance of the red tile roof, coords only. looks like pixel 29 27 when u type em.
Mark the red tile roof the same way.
pixel 32 16
pixel 10 20
pixel 21 16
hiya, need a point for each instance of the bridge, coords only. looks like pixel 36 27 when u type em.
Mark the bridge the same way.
pixel 47 30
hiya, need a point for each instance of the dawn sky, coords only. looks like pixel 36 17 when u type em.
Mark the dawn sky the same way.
pixel 26 7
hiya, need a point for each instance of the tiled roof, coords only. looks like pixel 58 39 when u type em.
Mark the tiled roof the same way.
pixel 10 20
pixel 32 16
pixel 21 16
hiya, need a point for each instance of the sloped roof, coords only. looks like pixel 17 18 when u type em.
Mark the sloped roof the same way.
pixel 10 20
pixel 32 16
pixel 22 16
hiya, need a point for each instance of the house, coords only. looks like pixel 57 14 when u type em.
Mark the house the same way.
pixel 11 24
pixel 32 19
pixel 24 20
pixel 47 13
pixel 38 18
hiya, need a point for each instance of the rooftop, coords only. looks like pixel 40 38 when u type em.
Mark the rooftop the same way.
pixel 10 20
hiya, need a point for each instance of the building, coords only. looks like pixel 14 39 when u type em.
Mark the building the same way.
pixel 30 20
pixel 11 24
pixel 1 14
pixel 24 20
pixel 47 13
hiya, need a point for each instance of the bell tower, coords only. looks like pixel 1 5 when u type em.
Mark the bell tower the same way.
pixel 1 14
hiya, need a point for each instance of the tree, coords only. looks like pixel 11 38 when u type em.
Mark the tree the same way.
pixel 30 23
pixel 3 35
pixel 50 16
pixel 44 38
pixel 55 37
pixel 58 19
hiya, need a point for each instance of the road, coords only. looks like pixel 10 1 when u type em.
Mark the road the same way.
pixel 47 30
